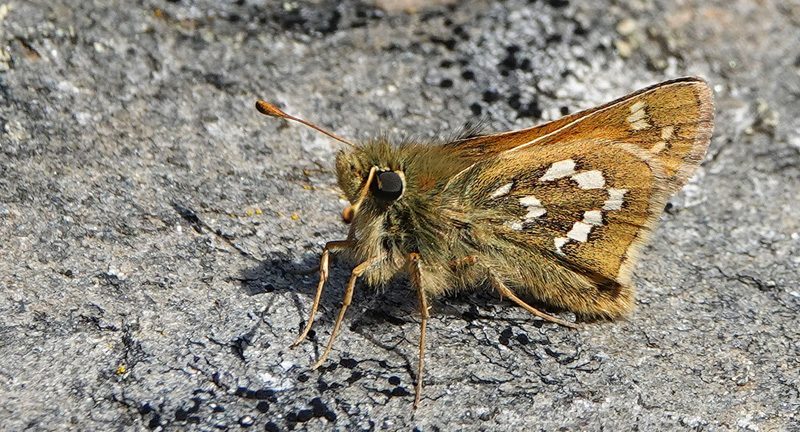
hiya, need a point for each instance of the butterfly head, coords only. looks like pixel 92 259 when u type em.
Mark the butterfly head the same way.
pixel 369 180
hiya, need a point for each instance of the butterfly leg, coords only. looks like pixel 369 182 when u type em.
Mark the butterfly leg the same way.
pixel 464 262
pixel 506 291
pixel 416 283
pixel 324 263
pixel 348 297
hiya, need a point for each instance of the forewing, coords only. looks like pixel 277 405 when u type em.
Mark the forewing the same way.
pixel 589 191
pixel 672 120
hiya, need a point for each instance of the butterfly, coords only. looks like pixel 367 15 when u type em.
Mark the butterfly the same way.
pixel 557 213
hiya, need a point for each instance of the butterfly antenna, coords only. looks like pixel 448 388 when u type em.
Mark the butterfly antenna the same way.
pixel 267 108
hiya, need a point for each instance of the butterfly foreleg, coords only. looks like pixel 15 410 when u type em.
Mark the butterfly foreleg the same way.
pixel 324 263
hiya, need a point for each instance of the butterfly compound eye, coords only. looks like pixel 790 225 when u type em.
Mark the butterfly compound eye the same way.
pixel 387 185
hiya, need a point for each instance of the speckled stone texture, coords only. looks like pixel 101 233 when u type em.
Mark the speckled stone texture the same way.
pixel 152 222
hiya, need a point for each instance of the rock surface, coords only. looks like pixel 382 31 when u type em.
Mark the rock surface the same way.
pixel 151 219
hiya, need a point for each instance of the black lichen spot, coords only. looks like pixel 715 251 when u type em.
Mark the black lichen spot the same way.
pixel 446 83
pixel 558 3
pixel 302 378
pixel 461 32
pixel 355 376
pixel 181 414
pixel 318 408
pixel 505 336
pixel 564 110
pixel 490 96
pixel 400 391
pixel 522 338
pixel 468 75
pixel 155 421
pixel 348 363
pixel 476 109
pixel 218 81
pixel 509 62
pixel 530 110
pixel 394 380
pixel 271 427
pixel 448 43
pixel 262 406
pixel 264 394
pixel 305 415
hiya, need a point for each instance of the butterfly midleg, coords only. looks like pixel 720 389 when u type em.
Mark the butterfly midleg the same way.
pixel 504 290
pixel 348 297
pixel 324 263
pixel 416 284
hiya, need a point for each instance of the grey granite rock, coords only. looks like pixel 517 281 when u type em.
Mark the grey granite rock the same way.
pixel 151 220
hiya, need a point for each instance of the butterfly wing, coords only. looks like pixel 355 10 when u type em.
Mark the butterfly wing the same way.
pixel 672 120
pixel 585 191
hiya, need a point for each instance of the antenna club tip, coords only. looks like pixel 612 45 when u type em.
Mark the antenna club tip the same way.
pixel 267 108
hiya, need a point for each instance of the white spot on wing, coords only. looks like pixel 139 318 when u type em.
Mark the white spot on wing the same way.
pixel 559 242
pixel 580 231
pixel 534 206
pixel 657 147
pixel 615 197
pixel 559 169
pixel 590 179
pixel 666 132
pixel 593 217
pixel 640 124
pixel 636 116
pixel 502 190
pixel 515 225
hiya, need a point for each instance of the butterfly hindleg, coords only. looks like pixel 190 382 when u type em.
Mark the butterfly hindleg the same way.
pixel 504 290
